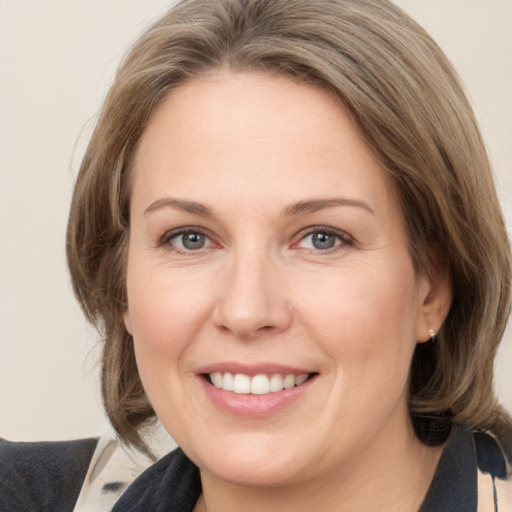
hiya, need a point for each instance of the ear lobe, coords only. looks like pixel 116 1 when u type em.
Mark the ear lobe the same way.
pixel 127 321
pixel 434 308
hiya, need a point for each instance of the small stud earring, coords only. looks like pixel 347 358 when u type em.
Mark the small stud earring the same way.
pixel 432 335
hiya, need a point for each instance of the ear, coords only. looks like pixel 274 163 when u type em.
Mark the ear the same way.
pixel 433 305
pixel 127 319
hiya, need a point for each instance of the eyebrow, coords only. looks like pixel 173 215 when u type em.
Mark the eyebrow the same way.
pixel 300 208
pixel 313 205
pixel 188 206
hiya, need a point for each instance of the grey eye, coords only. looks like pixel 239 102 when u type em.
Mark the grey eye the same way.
pixel 192 241
pixel 188 241
pixel 323 240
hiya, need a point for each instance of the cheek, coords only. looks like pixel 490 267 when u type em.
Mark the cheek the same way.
pixel 165 315
pixel 361 301
pixel 166 318
pixel 365 319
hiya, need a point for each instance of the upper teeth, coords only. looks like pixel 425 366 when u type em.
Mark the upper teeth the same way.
pixel 258 385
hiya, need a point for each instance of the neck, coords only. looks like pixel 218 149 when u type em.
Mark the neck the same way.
pixel 387 478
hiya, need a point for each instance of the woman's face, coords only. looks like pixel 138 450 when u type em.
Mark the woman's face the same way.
pixel 272 299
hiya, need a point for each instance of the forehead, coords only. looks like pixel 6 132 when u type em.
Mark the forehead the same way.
pixel 238 131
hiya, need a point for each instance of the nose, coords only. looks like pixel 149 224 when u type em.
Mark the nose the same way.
pixel 252 302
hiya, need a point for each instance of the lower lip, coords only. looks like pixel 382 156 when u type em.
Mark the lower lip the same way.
pixel 254 406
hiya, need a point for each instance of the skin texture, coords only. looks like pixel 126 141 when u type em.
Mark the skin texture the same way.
pixel 244 148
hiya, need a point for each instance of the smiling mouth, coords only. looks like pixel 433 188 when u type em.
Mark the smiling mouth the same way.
pixel 261 384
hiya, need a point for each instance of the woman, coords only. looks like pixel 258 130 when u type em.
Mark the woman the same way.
pixel 286 228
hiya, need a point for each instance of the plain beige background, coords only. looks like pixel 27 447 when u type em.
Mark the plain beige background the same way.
pixel 57 58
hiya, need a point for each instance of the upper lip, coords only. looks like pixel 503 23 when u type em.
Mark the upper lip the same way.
pixel 252 369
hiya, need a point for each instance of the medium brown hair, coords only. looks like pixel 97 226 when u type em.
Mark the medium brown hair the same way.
pixel 407 100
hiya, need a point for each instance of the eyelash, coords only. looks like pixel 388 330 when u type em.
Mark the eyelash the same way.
pixel 344 239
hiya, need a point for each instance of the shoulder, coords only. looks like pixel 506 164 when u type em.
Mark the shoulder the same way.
pixel 494 473
pixel 43 475
pixel 80 475
pixel 473 475
pixel 491 457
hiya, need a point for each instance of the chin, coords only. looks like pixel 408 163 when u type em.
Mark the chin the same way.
pixel 255 473
pixel 253 463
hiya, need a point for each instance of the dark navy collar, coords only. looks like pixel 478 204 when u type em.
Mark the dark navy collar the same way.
pixel 454 486
pixel 171 484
